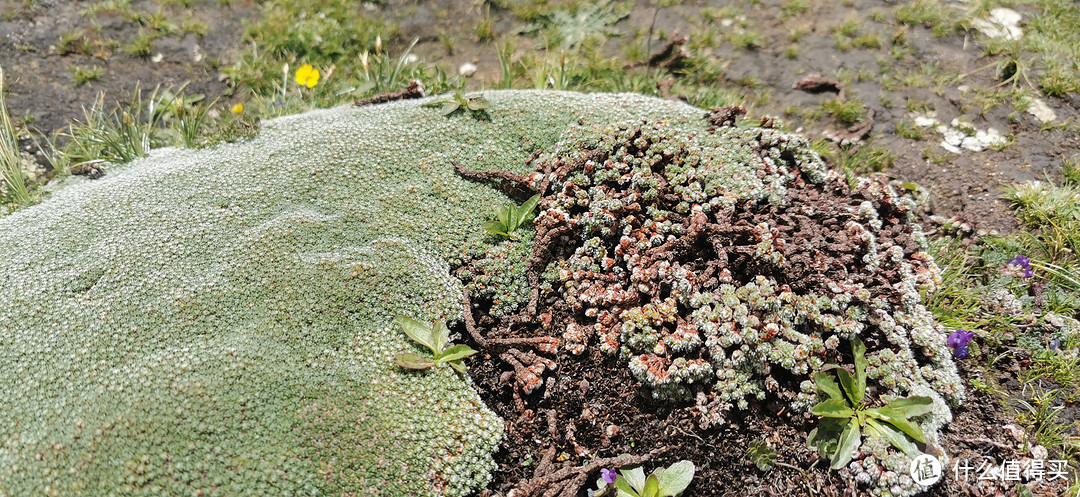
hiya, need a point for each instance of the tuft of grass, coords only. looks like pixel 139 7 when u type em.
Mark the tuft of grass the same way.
pixel 847 112
pixel 909 130
pixel 71 43
pixel 941 18
pixel 141 45
pixel 15 188
pixel 81 76
pixel 794 8
pixel 485 29
pixel 121 135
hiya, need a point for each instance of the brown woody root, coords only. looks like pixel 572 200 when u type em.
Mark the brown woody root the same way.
pixel 413 90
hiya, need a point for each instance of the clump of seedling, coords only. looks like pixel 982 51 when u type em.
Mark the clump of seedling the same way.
pixel 436 339
pixel 475 105
pixel 846 412
pixel 508 218
pixel 662 482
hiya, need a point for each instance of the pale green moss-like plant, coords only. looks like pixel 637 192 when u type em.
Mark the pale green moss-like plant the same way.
pixel 223 317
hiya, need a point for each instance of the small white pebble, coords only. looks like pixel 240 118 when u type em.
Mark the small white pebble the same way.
pixel 467 69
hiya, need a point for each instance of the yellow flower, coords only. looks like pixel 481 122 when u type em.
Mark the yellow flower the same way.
pixel 238 109
pixel 307 76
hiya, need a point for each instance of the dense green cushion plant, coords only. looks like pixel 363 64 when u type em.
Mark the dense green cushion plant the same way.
pixel 223 320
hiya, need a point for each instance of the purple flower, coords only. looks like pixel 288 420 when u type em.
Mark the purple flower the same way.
pixel 608 475
pixel 1055 344
pixel 958 340
pixel 1022 263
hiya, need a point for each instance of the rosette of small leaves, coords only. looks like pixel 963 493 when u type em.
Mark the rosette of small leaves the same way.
pixel 435 338
pixel 471 104
pixel 845 415
pixel 662 482
pixel 762 455
pixel 510 217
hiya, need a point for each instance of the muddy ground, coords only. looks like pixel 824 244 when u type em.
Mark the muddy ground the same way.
pixel 42 93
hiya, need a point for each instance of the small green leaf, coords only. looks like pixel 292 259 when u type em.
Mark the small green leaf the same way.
pixel 826 384
pixel 898 420
pixel 416 331
pixel 912 406
pixel 833 408
pixel 455 353
pixel 826 436
pixel 676 478
pixel 635 477
pixel 893 435
pixel 440 336
pixel 435 103
pixel 449 108
pixel 503 215
pixel 477 103
pixel 858 349
pixel 909 186
pixel 458 366
pixel 526 210
pixel 624 487
pixel 652 487
pixel 849 442
pixel 624 493
pixel 409 360
pixel 847 383
pixel 496 227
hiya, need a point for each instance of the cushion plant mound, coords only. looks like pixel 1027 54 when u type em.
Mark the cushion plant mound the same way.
pixel 220 322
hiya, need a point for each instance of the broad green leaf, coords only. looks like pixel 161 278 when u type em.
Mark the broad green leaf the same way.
pixel 449 108
pixel 525 210
pixel 458 366
pixel 676 478
pixel 893 435
pixel 858 349
pixel 898 420
pixel 440 336
pixel 455 353
pixel 635 477
pixel 416 331
pixel 624 493
pixel 409 360
pixel 912 406
pixel 496 228
pixel 827 434
pixel 826 384
pixel 502 214
pixel 833 408
pixel 624 487
pixel 847 383
pixel 849 442
pixel 652 487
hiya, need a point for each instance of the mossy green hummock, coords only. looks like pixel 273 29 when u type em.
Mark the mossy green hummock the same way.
pixel 220 322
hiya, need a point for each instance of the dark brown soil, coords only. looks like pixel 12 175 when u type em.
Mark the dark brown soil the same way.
pixel 41 88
